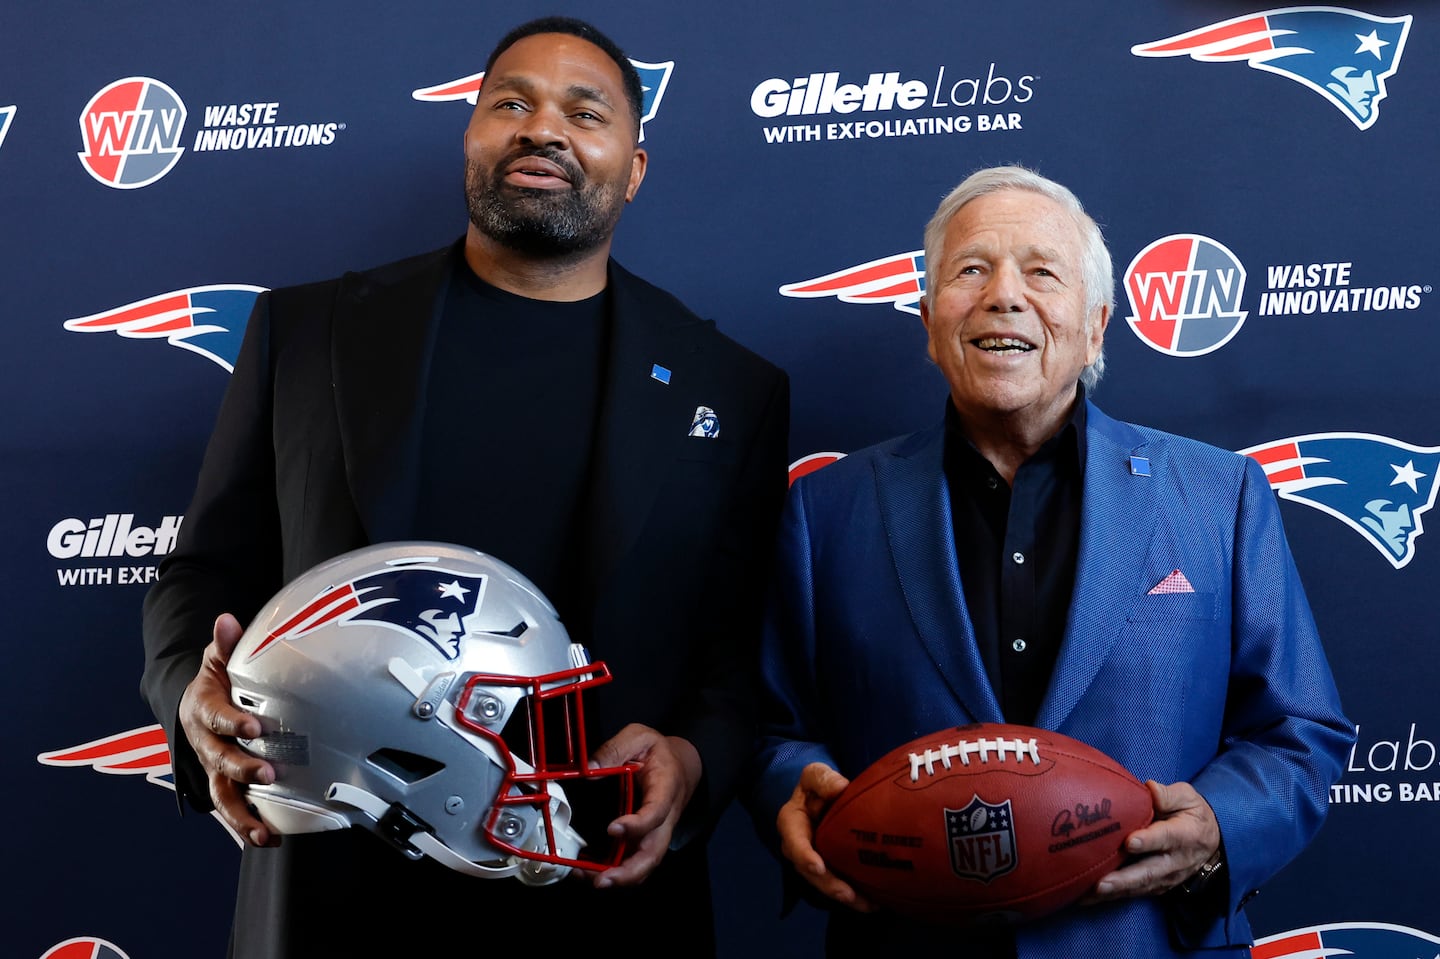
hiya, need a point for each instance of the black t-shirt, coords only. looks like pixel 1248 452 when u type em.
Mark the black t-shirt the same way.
pixel 509 428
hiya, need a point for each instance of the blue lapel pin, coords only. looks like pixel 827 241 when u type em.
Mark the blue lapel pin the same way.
pixel 1139 466
pixel 658 372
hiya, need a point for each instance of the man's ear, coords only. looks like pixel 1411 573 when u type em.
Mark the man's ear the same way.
pixel 925 320
pixel 637 173
pixel 1097 333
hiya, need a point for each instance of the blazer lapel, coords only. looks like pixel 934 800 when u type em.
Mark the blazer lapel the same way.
pixel 1116 523
pixel 385 323
pixel 915 511
pixel 641 420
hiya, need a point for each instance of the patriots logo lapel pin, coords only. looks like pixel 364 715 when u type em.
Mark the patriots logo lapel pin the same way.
pixel 705 423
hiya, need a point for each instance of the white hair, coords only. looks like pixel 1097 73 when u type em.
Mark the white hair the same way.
pixel 1098 273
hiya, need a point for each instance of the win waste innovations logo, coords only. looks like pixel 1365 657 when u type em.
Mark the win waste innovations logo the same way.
pixel 133 131
pixel 1185 292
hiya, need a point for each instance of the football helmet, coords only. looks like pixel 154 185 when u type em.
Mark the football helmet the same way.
pixel 428 693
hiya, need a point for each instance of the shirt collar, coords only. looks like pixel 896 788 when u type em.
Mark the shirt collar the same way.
pixel 1070 440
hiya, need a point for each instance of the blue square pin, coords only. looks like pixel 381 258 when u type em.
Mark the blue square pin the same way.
pixel 658 372
pixel 1139 466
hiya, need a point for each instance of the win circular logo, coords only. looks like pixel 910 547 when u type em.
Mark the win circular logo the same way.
pixel 1185 295
pixel 131 131
pixel 85 948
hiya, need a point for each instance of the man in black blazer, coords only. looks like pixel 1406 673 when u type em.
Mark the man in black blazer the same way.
pixel 521 393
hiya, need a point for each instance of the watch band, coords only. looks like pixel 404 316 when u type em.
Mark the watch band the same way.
pixel 1204 874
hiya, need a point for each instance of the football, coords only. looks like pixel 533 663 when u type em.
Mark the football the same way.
pixel 990 822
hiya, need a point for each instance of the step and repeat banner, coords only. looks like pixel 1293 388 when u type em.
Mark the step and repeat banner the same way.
pixel 1265 177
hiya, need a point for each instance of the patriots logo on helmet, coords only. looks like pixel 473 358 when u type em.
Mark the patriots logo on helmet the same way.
pixel 1362 940
pixel 1377 486
pixel 209 320
pixel 654 78
pixel 898 280
pixel 1343 55
pixel 437 605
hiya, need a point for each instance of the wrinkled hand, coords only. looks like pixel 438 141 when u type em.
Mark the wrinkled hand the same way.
pixel 818 786
pixel 669 770
pixel 211 722
pixel 1182 837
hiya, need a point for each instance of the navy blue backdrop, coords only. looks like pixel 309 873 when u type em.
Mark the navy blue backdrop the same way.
pixel 1265 177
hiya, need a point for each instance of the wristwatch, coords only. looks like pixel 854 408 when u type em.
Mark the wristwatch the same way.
pixel 1204 874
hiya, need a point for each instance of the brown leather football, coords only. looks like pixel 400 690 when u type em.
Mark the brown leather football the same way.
pixel 989 822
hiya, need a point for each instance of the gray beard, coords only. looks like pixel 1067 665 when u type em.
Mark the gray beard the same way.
pixel 543 222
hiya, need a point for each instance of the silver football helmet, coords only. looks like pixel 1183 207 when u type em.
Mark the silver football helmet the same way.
pixel 428 693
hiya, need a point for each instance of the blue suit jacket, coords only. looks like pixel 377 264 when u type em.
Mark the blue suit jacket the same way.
pixel 869 645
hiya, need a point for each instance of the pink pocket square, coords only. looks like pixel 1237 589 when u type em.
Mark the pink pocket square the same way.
pixel 1174 583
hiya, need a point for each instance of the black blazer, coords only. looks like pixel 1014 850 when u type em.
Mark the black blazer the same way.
pixel 316 451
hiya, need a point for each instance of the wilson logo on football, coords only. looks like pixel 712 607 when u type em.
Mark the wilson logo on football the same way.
pixel 1185 295
pixel 131 130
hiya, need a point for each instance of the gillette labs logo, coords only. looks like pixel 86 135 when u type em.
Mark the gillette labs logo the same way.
pixel 933 104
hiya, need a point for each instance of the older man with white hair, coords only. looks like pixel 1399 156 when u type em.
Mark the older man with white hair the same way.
pixel 1031 560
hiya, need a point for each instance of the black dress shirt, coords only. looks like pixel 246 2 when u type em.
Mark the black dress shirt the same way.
pixel 1017 547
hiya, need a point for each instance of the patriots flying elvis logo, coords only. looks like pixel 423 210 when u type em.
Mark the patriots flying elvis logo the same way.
pixel 140 751
pixel 135 752
pixel 209 320
pixel 1343 55
pixel 430 603
pixel 654 78
pixel 7 114
pixel 1362 940
pixel 898 280
pixel 806 465
pixel 1378 486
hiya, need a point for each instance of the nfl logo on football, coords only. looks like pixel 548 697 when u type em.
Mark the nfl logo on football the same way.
pixel 982 840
